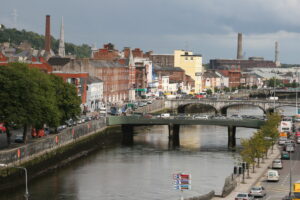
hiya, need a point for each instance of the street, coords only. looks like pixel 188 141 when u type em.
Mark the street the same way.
pixel 277 190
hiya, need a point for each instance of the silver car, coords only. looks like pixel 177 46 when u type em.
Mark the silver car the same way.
pixel 243 196
pixel 258 191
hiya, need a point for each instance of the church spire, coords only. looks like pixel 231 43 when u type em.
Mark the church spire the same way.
pixel 61 49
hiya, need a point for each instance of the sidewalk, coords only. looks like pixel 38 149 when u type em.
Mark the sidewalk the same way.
pixel 254 177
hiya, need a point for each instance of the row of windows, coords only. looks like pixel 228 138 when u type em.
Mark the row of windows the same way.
pixel 187 58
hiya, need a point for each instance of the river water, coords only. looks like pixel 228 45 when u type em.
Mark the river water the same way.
pixel 144 171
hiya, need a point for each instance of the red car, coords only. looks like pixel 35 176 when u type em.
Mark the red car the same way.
pixel 2 128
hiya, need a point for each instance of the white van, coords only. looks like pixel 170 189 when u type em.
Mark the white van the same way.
pixel 272 175
pixel 165 115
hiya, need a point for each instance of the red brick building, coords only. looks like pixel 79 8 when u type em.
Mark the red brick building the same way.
pixel 108 52
pixel 115 76
pixel 77 79
pixel 234 75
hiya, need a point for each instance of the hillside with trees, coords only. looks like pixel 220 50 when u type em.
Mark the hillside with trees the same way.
pixel 16 37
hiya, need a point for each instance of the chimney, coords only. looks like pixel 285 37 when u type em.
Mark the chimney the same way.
pixel 240 47
pixel 277 62
pixel 47 35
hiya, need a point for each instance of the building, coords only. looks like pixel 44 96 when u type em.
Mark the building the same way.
pixel 79 80
pixel 175 75
pixel 234 75
pixel 108 53
pixel 114 75
pixel 192 65
pixel 252 62
pixel 94 97
pixel 163 60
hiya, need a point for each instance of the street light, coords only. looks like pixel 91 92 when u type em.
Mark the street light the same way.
pixel 275 72
pixel 297 80
pixel 290 193
pixel 26 195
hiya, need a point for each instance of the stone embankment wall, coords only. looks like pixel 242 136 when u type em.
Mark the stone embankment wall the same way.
pixel 208 196
pixel 229 185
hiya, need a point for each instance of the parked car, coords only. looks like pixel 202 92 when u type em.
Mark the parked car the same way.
pixel 277 164
pixel 258 191
pixel 243 196
pixel 285 155
pixel 19 139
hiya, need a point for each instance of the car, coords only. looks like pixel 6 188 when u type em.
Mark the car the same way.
pixel 290 142
pixel 277 164
pixel 285 155
pixel 282 140
pixel 298 140
pixel 236 117
pixel 200 117
pixel 257 191
pixel 165 115
pixel 272 175
pixel 19 139
pixel 289 148
pixel 243 196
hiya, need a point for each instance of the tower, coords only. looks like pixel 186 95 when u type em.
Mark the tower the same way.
pixel 47 35
pixel 131 66
pixel 240 47
pixel 277 62
pixel 61 49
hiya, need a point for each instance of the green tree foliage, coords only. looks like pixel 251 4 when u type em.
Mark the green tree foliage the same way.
pixel 66 97
pixel 37 41
pixel 274 82
pixel 31 98
pixel 257 146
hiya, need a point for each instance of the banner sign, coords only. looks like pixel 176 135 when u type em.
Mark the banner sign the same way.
pixel 182 181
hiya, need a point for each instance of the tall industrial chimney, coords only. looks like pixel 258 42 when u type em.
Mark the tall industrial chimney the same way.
pixel 277 62
pixel 240 47
pixel 47 35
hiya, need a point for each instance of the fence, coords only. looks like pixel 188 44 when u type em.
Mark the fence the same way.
pixel 50 142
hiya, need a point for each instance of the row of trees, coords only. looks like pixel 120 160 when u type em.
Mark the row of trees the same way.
pixel 31 98
pixel 256 148
pixel 37 41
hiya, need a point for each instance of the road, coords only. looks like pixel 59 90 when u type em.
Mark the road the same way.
pixel 277 190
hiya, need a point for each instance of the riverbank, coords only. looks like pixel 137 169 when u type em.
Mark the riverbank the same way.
pixel 56 151
pixel 245 186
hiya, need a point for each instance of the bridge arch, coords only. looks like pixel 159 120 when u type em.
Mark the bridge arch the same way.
pixel 223 110
pixel 197 106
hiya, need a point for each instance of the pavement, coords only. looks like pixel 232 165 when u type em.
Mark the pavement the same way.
pixel 254 177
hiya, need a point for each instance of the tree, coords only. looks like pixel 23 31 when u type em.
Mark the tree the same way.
pixel 67 99
pixel 31 98
pixel 247 153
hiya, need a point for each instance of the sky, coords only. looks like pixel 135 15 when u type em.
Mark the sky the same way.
pixel 207 27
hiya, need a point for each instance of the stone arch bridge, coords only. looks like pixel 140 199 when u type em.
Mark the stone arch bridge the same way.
pixel 220 105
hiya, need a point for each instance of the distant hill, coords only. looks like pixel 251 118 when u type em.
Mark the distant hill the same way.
pixel 37 41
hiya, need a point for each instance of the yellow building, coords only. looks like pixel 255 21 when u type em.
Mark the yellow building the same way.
pixel 191 64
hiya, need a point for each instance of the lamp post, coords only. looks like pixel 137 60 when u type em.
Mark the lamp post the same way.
pixel 290 193
pixel 297 81
pixel 26 195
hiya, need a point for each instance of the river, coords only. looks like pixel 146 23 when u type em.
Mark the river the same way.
pixel 144 171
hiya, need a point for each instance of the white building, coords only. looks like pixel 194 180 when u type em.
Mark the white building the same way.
pixel 94 97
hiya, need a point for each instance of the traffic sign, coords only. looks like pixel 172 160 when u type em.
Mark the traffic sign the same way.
pixel 182 181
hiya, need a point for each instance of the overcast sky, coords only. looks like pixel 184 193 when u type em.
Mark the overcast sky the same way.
pixel 207 27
